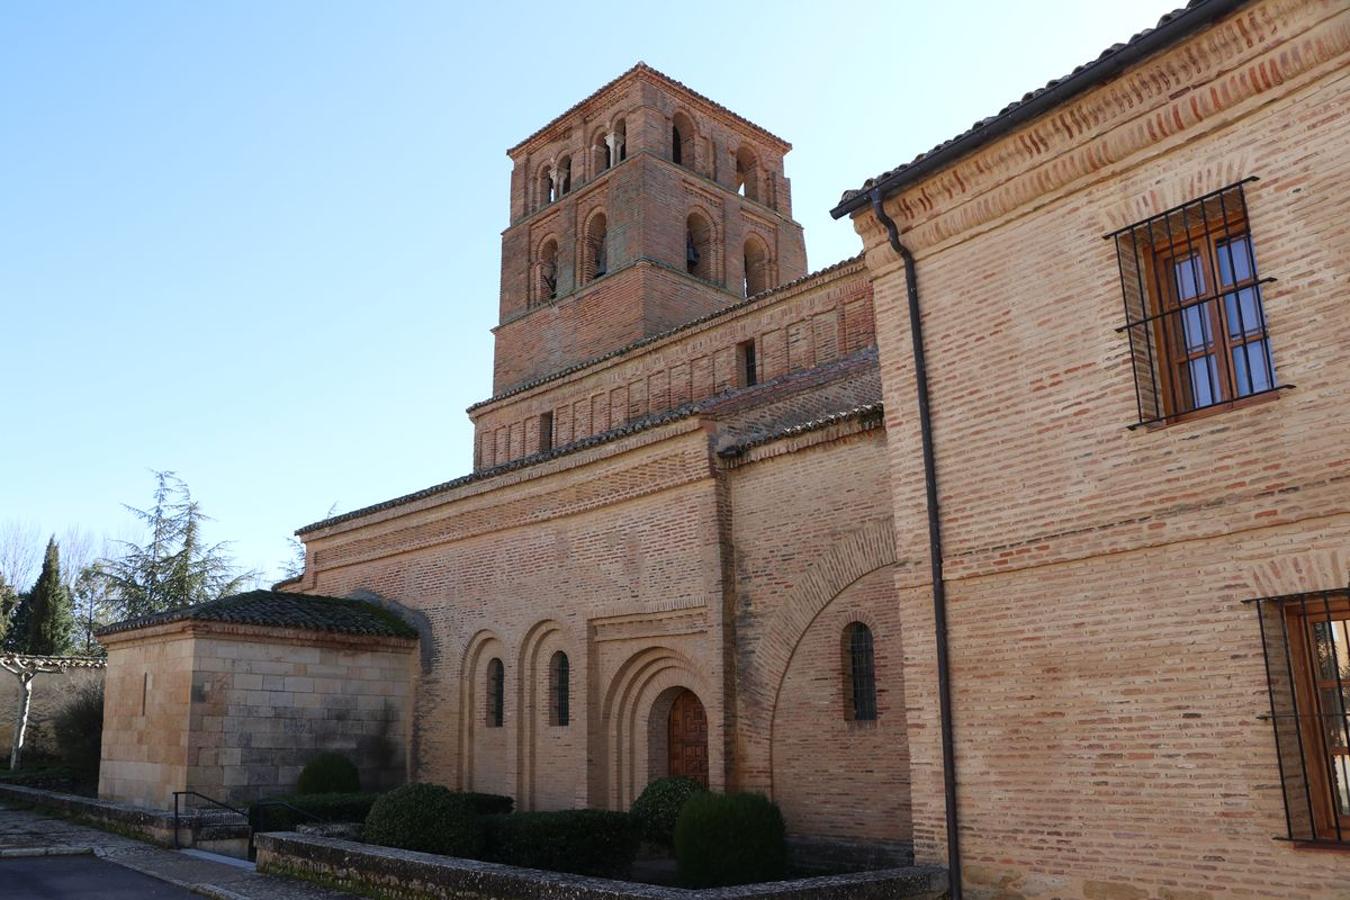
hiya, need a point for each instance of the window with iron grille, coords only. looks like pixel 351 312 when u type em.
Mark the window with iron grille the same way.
pixel 496 693
pixel 860 683
pixel 559 690
pixel 1306 641
pixel 1194 314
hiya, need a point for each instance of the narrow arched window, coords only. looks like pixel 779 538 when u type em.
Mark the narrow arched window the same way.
pixel 546 194
pixel 546 272
pixel 595 248
pixel 698 246
pixel 621 140
pixel 860 681
pixel 682 140
pixel 564 176
pixel 559 690
pixel 756 266
pixel 496 693
pixel 747 174
pixel 603 154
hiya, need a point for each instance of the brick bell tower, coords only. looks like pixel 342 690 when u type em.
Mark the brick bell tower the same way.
pixel 642 207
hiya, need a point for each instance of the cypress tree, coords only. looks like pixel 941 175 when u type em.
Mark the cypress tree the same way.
pixel 48 621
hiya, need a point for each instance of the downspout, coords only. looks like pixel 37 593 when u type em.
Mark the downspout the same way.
pixel 934 544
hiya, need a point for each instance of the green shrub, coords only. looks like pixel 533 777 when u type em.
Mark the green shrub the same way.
pixel 78 727
pixel 269 816
pixel 329 773
pixel 727 839
pixel 656 810
pixel 581 841
pixel 426 817
pixel 489 804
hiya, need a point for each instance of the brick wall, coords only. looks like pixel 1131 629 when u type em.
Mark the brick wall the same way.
pixel 804 326
pixel 1107 681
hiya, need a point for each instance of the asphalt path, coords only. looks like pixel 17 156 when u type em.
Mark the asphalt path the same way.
pixel 61 877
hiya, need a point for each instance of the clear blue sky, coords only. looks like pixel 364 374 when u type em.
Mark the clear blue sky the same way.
pixel 257 242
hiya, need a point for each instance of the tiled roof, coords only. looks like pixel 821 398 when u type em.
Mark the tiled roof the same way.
pixel 652 420
pixel 643 342
pixel 660 76
pixel 282 610
pixel 1171 28
pixel 871 414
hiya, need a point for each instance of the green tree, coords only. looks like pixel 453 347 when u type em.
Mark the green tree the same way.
pixel 94 608
pixel 43 623
pixel 175 567
pixel 9 601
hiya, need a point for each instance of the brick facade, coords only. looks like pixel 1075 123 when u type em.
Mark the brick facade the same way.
pixel 706 509
pixel 1108 682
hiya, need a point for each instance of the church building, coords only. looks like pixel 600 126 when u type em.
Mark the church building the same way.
pixel 1018 543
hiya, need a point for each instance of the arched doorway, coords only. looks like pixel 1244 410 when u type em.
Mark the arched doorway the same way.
pixel 687 738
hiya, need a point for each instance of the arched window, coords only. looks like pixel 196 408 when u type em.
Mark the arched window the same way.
pixel 602 156
pixel 595 249
pixel 860 680
pixel 747 173
pixel 564 177
pixel 698 246
pixel 546 272
pixel 682 140
pixel 559 690
pixel 496 693
pixel 621 140
pixel 757 276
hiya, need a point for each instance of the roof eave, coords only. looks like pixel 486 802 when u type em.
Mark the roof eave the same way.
pixel 1185 24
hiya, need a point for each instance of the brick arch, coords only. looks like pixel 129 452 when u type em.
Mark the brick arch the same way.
pixel 528 705
pixel 853 557
pixel 1295 573
pixel 470 697
pixel 714 247
pixel 627 713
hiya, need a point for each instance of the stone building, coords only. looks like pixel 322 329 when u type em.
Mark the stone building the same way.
pixel 1000 622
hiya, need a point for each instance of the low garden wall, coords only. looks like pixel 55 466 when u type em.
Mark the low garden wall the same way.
pixel 156 826
pixel 385 872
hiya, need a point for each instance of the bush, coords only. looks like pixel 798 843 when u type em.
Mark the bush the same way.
pixel 489 804
pixel 581 841
pixel 727 839
pixel 659 806
pixel 269 816
pixel 329 773
pixel 78 727
pixel 426 817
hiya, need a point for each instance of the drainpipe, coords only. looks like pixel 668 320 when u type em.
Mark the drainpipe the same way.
pixel 934 544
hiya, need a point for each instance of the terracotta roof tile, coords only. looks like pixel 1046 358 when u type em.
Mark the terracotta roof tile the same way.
pixel 282 610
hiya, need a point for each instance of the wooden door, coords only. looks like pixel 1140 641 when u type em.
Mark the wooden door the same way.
pixel 689 738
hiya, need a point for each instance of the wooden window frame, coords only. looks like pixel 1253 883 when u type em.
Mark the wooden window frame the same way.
pixel 1177 330
pixel 1309 689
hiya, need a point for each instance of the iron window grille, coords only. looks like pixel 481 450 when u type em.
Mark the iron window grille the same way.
pixel 1306 646
pixel 862 682
pixel 496 693
pixel 1194 313
pixel 560 690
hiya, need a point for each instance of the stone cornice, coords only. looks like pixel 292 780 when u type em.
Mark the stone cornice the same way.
pixel 1166 99
pixel 192 628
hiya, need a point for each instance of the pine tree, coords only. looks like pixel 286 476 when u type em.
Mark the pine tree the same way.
pixel 44 622
pixel 9 601
pixel 175 567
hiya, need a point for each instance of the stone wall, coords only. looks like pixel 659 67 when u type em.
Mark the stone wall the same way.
pixel 235 711
pixel 1108 683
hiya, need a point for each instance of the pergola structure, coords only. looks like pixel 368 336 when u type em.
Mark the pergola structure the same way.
pixel 25 668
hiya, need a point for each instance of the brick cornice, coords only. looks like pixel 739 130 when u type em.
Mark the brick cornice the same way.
pixel 1163 100
pixel 193 628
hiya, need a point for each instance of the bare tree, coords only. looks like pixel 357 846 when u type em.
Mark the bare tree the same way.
pixel 21 547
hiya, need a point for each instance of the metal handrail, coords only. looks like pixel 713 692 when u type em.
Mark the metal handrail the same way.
pixel 254 818
pixel 213 801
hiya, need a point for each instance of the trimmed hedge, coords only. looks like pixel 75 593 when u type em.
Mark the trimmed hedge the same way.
pixel 426 817
pixel 329 773
pixel 728 839
pixel 656 810
pixel 581 841
pixel 489 804
pixel 323 807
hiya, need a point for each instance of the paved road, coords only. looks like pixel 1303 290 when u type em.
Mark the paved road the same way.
pixel 73 877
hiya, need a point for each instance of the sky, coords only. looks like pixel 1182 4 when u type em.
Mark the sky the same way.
pixel 257 243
